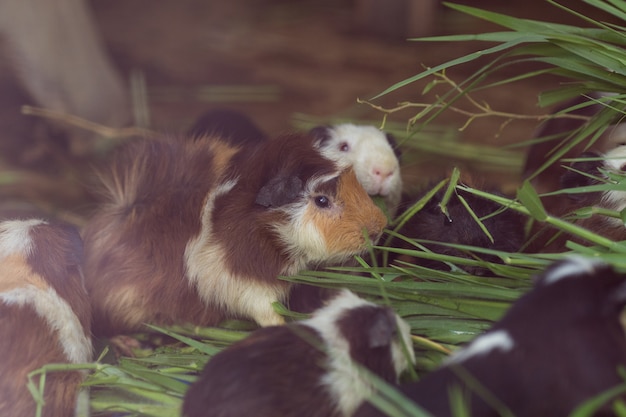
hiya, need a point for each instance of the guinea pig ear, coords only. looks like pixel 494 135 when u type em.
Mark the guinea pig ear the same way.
pixel 279 191
pixel 321 134
pixel 383 328
pixel 394 145
pixel 573 179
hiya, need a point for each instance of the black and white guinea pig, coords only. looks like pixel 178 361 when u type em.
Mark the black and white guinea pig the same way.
pixel 306 368
pixel 44 315
pixel 558 129
pixel 197 231
pixel 593 169
pixel 506 227
pixel 229 124
pixel 374 154
pixel 558 345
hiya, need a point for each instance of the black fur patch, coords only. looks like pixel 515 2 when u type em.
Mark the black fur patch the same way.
pixel 279 191
pixel 370 331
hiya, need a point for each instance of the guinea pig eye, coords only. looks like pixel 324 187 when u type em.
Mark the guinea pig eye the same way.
pixel 322 201
pixel 344 147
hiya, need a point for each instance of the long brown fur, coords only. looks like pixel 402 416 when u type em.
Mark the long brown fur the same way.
pixel 47 267
pixel 196 231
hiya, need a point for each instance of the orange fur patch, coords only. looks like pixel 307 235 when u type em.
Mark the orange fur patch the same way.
pixel 359 216
pixel 222 153
pixel 16 273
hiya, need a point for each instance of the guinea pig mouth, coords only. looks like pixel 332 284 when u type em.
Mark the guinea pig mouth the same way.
pixel 378 190
pixel 373 238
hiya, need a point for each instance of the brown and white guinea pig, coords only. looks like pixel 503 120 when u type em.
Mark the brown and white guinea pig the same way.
pixel 44 315
pixel 196 231
pixel 558 345
pixel 592 169
pixel 307 368
pixel 506 227
pixel 374 154
pixel 560 128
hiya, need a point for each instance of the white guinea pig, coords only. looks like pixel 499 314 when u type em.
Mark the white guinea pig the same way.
pixel 44 315
pixel 306 368
pixel 196 231
pixel 374 155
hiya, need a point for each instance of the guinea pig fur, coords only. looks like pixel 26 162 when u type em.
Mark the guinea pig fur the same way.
pixel 232 125
pixel 196 231
pixel 506 227
pixel 374 155
pixel 560 128
pixel 307 368
pixel 592 171
pixel 558 345
pixel 44 315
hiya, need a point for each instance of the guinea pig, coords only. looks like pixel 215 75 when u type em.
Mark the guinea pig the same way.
pixel 231 125
pixel 559 129
pixel 44 315
pixel 592 169
pixel 374 155
pixel 506 227
pixel 311 367
pixel 558 345
pixel 199 231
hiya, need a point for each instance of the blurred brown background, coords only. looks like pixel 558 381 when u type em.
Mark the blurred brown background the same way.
pixel 273 59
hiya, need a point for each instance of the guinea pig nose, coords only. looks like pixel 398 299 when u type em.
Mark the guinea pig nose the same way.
pixel 382 173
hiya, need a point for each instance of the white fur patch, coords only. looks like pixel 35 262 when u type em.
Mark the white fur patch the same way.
pixel 482 345
pixel 615 159
pixel 372 157
pixel 15 237
pixel 346 383
pixel 573 266
pixel 59 316
pixel 195 257
pixel 217 285
pixel 301 236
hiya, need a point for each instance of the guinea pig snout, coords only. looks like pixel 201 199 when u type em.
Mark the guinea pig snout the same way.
pixel 381 180
pixel 375 230
pixel 375 225
pixel 360 218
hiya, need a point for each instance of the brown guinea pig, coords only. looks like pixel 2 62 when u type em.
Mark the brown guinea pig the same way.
pixel 306 368
pixel 506 227
pixel 196 231
pixel 44 315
